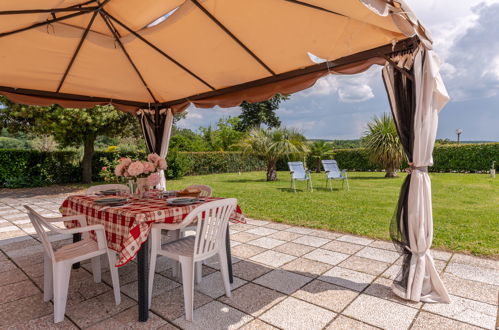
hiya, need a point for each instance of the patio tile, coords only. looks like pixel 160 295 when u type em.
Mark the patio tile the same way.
pixel 378 254
pixel 34 271
pixel 12 276
pixel 262 231
pixel 16 291
pixel 246 251
pixel 29 308
pixel 240 226
pixel 347 278
pixel 28 260
pixel 299 230
pixel 97 309
pixel 249 270
pixel 235 243
pixel 243 237
pixel 294 249
pixel 45 322
pixel 253 299
pixel 170 304
pixel 342 247
pixel 272 258
pixel 307 316
pixel 307 267
pixel 8 228
pixel 382 313
pixel 6 266
pixel 212 285
pixel 392 272
pixel 214 262
pixel 441 255
pixel 277 226
pixel 214 315
pixel 346 323
pixel 13 234
pixel 364 265
pixel 128 319
pixel 385 245
pixel 283 281
pixel 474 273
pixel 324 234
pixel 470 289
pixel 466 310
pixel 355 239
pixel 326 295
pixel 311 241
pixel 381 288
pixel 256 222
pixel 475 261
pixel 267 242
pixel 285 235
pixel 24 252
pixel 326 256
pixel 160 285
pixel 429 321
pixel 258 325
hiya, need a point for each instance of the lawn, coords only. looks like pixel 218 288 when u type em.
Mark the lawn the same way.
pixel 465 206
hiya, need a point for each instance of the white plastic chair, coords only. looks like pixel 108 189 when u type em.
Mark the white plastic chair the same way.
pixel 57 264
pixel 206 191
pixel 298 172
pixel 95 189
pixel 333 173
pixel 212 221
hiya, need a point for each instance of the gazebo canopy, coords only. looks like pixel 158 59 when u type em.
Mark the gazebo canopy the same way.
pixel 151 53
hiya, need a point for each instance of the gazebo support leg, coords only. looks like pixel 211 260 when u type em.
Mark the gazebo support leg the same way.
pixel 143 285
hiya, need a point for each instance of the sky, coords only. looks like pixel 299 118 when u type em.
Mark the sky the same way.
pixel 466 37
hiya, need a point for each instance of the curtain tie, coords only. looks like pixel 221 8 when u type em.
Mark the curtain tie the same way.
pixel 416 253
pixel 413 168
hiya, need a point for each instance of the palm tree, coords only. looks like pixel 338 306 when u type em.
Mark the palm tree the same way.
pixel 319 150
pixel 383 144
pixel 272 144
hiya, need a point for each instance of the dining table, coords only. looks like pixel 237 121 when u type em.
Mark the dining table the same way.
pixel 128 227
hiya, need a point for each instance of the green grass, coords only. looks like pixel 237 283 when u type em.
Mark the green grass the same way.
pixel 465 206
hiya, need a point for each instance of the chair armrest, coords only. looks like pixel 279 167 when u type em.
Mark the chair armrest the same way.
pixel 344 172
pixel 80 218
pixel 99 231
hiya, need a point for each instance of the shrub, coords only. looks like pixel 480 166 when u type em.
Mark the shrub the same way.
pixel 465 157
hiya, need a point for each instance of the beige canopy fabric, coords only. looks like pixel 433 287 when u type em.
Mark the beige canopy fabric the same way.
pixel 142 53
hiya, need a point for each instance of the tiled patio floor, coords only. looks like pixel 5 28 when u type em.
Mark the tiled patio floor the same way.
pixel 286 277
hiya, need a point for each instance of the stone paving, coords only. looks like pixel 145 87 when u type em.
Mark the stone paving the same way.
pixel 285 277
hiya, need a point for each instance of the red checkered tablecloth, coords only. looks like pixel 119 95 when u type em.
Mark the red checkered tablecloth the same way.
pixel 127 227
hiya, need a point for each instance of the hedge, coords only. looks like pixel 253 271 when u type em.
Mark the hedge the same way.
pixel 29 168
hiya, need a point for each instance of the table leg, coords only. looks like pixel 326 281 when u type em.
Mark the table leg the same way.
pixel 229 256
pixel 76 238
pixel 143 279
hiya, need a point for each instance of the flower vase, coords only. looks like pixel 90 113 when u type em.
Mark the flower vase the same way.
pixel 132 185
pixel 141 186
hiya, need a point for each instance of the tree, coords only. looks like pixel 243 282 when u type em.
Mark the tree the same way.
pixel 70 127
pixel 255 114
pixel 383 144
pixel 225 136
pixel 272 144
pixel 319 150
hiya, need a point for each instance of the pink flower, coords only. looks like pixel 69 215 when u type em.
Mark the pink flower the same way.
pixel 161 164
pixel 126 174
pixel 125 161
pixel 118 170
pixel 153 158
pixel 136 168
pixel 153 179
pixel 104 168
pixel 149 167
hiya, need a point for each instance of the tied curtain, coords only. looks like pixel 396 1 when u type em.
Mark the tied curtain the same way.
pixel 416 93
pixel 156 127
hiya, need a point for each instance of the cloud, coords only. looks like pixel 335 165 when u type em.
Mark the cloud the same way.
pixel 355 93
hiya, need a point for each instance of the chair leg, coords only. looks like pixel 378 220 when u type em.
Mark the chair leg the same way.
pixel 48 284
pixel 224 269
pixel 199 271
pixel 96 269
pixel 187 265
pixel 176 234
pixel 115 279
pixel 294 185
pixel 311 186
pixel 155 246
pixel 61 275
pixel 348 186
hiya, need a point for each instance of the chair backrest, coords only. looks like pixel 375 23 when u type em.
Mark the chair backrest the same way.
pixel 297 169
pixel 95 189
pixel 206 191
pixel 40 224
pixel 331 168
pixel 212 220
